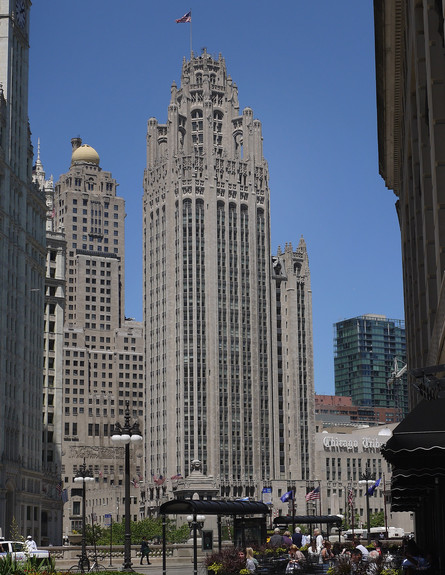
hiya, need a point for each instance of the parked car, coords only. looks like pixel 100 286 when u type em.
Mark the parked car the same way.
pixel 18 551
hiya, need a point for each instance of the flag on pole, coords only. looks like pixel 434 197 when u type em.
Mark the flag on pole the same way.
pixel 374 486
pixel 186 18
pixel 350 496
pixel 176 477
pixel 134 482
pixel 65 495
pixel 314 494
pixel 59 488
pixel 288 496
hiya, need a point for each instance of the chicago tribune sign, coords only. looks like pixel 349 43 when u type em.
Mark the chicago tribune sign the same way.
pixel 334 443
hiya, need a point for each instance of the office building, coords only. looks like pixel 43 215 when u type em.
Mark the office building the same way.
pixel 52 405
pixel 343 459
pixel 339 410
pixel 228 359
pixel 410 77
pixel 22 280
pixel 365 350
pixel 103 363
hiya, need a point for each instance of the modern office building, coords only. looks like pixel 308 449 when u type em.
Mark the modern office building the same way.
pixel 103 363
pixel 410 79
pixel 228 341
pixel 22 280
pixel 365 350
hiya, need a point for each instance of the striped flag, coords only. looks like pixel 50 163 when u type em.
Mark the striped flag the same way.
pixel 186 18
pixel 350 496
pixel 314 494
pixel 59 488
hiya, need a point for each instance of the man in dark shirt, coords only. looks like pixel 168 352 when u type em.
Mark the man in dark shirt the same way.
pixel 297 537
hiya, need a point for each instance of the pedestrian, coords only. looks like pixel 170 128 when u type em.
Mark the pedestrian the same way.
pixel 251 562
pixel 319 539
pixel 31 545
pixel 362 549
pixel 287 540
pixel 276 540
pixel 145 550
pixel 313 554
pixel 297 538
pixel 327 555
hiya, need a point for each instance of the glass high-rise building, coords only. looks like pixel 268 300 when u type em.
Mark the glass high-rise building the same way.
pixel 366 348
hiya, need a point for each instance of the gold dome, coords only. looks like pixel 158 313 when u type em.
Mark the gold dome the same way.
pixel 85 154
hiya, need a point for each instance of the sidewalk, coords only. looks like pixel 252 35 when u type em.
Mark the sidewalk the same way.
pixel 174 565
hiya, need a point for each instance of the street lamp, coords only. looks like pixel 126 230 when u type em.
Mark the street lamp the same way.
pixel 123 436
pixel 195 522
pixel 83 476
pixel 366 477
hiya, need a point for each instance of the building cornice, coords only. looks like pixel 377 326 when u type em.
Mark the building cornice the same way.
pixel 388 19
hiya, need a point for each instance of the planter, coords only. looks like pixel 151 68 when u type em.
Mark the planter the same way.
pixel 75 538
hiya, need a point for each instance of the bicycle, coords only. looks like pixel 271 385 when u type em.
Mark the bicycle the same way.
pixel 84 566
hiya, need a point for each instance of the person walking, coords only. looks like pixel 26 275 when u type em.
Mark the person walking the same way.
pixel 145 550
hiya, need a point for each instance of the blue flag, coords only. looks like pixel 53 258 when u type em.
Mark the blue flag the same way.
pixel 374 487
pixel 287 496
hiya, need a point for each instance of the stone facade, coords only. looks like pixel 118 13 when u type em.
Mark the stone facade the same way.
pixel 216 389
pixel 22 280
pixel 102 350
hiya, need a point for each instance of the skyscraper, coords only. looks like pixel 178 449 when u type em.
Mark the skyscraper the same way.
pixel 216 389
pixel 102 350
pixel 22 277
pixel 365 350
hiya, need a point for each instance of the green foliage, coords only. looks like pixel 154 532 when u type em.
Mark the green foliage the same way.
pixel 148 527
pixel 32 566
pixel 377 519
pixel 15 531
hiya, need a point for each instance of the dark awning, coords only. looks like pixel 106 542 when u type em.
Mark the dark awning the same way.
pixel 212 507
pixel 308 519
pixel 419 440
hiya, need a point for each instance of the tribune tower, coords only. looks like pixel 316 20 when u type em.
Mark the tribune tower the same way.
pixel 211 393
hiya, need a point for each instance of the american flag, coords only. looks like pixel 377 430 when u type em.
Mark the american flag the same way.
pixel 161 480
pixel 59 488
pixel 134 482
pixel 176 477
pixel 314 494
pixel 186 18
pixel 350 496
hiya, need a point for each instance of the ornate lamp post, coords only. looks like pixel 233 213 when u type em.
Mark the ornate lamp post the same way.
pixel 366 477
pixel 83 476
pixel 123 436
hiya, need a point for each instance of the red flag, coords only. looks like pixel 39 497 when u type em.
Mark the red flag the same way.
pixel 186 18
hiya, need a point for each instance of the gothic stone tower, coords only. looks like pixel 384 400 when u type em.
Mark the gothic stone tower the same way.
pixel 22 281
pixel 207 288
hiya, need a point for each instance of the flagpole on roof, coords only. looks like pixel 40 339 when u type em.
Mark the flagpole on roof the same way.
pixel 191 50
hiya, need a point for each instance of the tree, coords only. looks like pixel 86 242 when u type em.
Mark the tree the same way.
pixel 377 519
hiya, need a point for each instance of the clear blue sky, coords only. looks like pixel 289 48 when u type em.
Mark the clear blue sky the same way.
pixel 101 68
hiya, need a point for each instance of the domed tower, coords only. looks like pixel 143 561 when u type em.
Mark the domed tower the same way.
pixel 97 337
